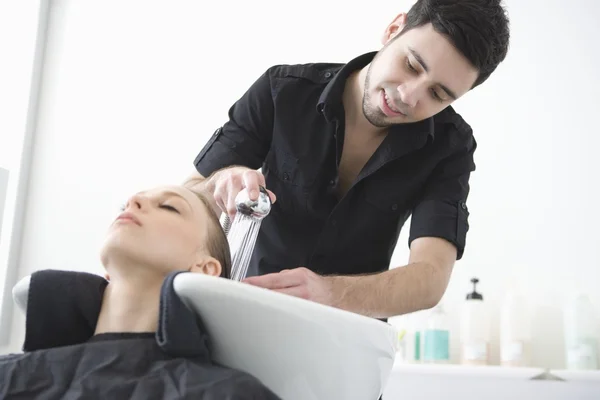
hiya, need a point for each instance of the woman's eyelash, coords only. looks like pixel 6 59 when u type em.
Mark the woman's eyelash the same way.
pixel 168 207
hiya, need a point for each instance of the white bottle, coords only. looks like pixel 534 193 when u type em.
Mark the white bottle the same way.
pixel 474 329
pixel 515 329
pixel 581 345
pixel 436 340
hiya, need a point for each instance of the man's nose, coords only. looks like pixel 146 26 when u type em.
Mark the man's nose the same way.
pixel 410 93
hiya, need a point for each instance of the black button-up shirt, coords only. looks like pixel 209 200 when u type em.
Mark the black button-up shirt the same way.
pixel 290 122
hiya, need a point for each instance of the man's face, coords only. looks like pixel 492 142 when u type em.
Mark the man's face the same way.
pixel 414 77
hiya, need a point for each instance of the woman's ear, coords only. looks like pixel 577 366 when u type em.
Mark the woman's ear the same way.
pixel 207 266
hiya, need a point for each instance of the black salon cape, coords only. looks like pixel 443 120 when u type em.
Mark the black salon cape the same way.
pixel 63 359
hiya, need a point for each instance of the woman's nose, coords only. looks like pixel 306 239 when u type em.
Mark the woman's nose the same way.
pixel 136 202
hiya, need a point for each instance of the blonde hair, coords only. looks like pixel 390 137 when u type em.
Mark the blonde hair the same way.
pixel 217 244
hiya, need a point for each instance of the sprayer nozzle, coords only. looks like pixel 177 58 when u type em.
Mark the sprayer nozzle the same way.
pixel 257 209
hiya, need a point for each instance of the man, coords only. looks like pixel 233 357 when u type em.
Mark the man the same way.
pixel 349 152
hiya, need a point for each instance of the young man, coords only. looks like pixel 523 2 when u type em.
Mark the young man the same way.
pixel 349 152
pixel 130 337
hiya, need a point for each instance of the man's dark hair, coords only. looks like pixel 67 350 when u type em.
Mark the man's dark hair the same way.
pixel 479 29
pixel 217 244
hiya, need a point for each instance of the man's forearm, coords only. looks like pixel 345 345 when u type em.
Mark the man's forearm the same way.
pixel 403 290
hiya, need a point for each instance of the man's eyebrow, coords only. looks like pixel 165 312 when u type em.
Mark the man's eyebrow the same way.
pixel 425 67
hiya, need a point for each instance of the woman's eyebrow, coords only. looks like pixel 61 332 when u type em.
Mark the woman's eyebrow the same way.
pixel 173 193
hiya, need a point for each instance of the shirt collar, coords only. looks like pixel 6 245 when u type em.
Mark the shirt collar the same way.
pixel 330 100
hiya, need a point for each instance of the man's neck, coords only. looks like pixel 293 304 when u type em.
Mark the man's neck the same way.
pixel 130 304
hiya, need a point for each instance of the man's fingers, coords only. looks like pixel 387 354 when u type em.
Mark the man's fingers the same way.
pixel 234 186
pixel 219 201
pixel 276 280
pixel 252 180
pixel 261 179
pixel 229 185
pixel 272 196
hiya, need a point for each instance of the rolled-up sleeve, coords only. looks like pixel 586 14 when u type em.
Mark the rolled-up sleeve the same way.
pixel 442 211
pixel 245 138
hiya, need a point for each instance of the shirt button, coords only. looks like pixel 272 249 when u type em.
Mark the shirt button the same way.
pixel 327 74
pixel 286 176
pixel 463 205
pixel 394 207
pixel 331 182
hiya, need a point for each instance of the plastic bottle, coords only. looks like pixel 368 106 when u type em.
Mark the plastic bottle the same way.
pixel 474 329
pixel 515 329
pixel 580 333
pixel 413 338
pixel 401 346
pixel 417 340
pixel 436 340
pixel 411 343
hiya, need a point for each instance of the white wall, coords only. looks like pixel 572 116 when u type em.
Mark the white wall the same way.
pixel 4 174
pixel 22 26
pixel 132 90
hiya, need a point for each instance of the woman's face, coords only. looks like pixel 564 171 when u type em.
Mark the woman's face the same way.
pixel 165 229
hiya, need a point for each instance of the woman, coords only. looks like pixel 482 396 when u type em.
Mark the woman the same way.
pixel 130 336
pixel 159 231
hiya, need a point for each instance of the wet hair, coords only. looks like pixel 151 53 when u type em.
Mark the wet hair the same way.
pixel 478 29
pixel 217 244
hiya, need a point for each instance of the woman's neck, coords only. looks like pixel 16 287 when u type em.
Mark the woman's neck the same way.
pixel 130 304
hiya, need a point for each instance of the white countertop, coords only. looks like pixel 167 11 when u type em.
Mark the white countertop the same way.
pixel 495 372
pixel 427 381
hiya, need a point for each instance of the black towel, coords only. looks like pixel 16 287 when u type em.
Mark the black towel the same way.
pixel 62 308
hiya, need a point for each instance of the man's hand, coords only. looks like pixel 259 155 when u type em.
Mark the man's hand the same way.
pixel 223 186
pixel 417 286
pixel 299 282
pixel 228 182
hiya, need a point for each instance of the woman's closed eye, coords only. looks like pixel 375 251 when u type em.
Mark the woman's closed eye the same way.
pixel 168 207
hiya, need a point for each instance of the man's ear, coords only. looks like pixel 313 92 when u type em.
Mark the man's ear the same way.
pixel 207 266
pixel 394 28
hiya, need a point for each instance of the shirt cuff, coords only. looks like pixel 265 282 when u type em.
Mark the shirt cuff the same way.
pixel 443 219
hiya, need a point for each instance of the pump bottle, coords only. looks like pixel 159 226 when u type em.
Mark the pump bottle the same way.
pixel 515 328
pixel 436 340
pixel 474 329
pixel 581 327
